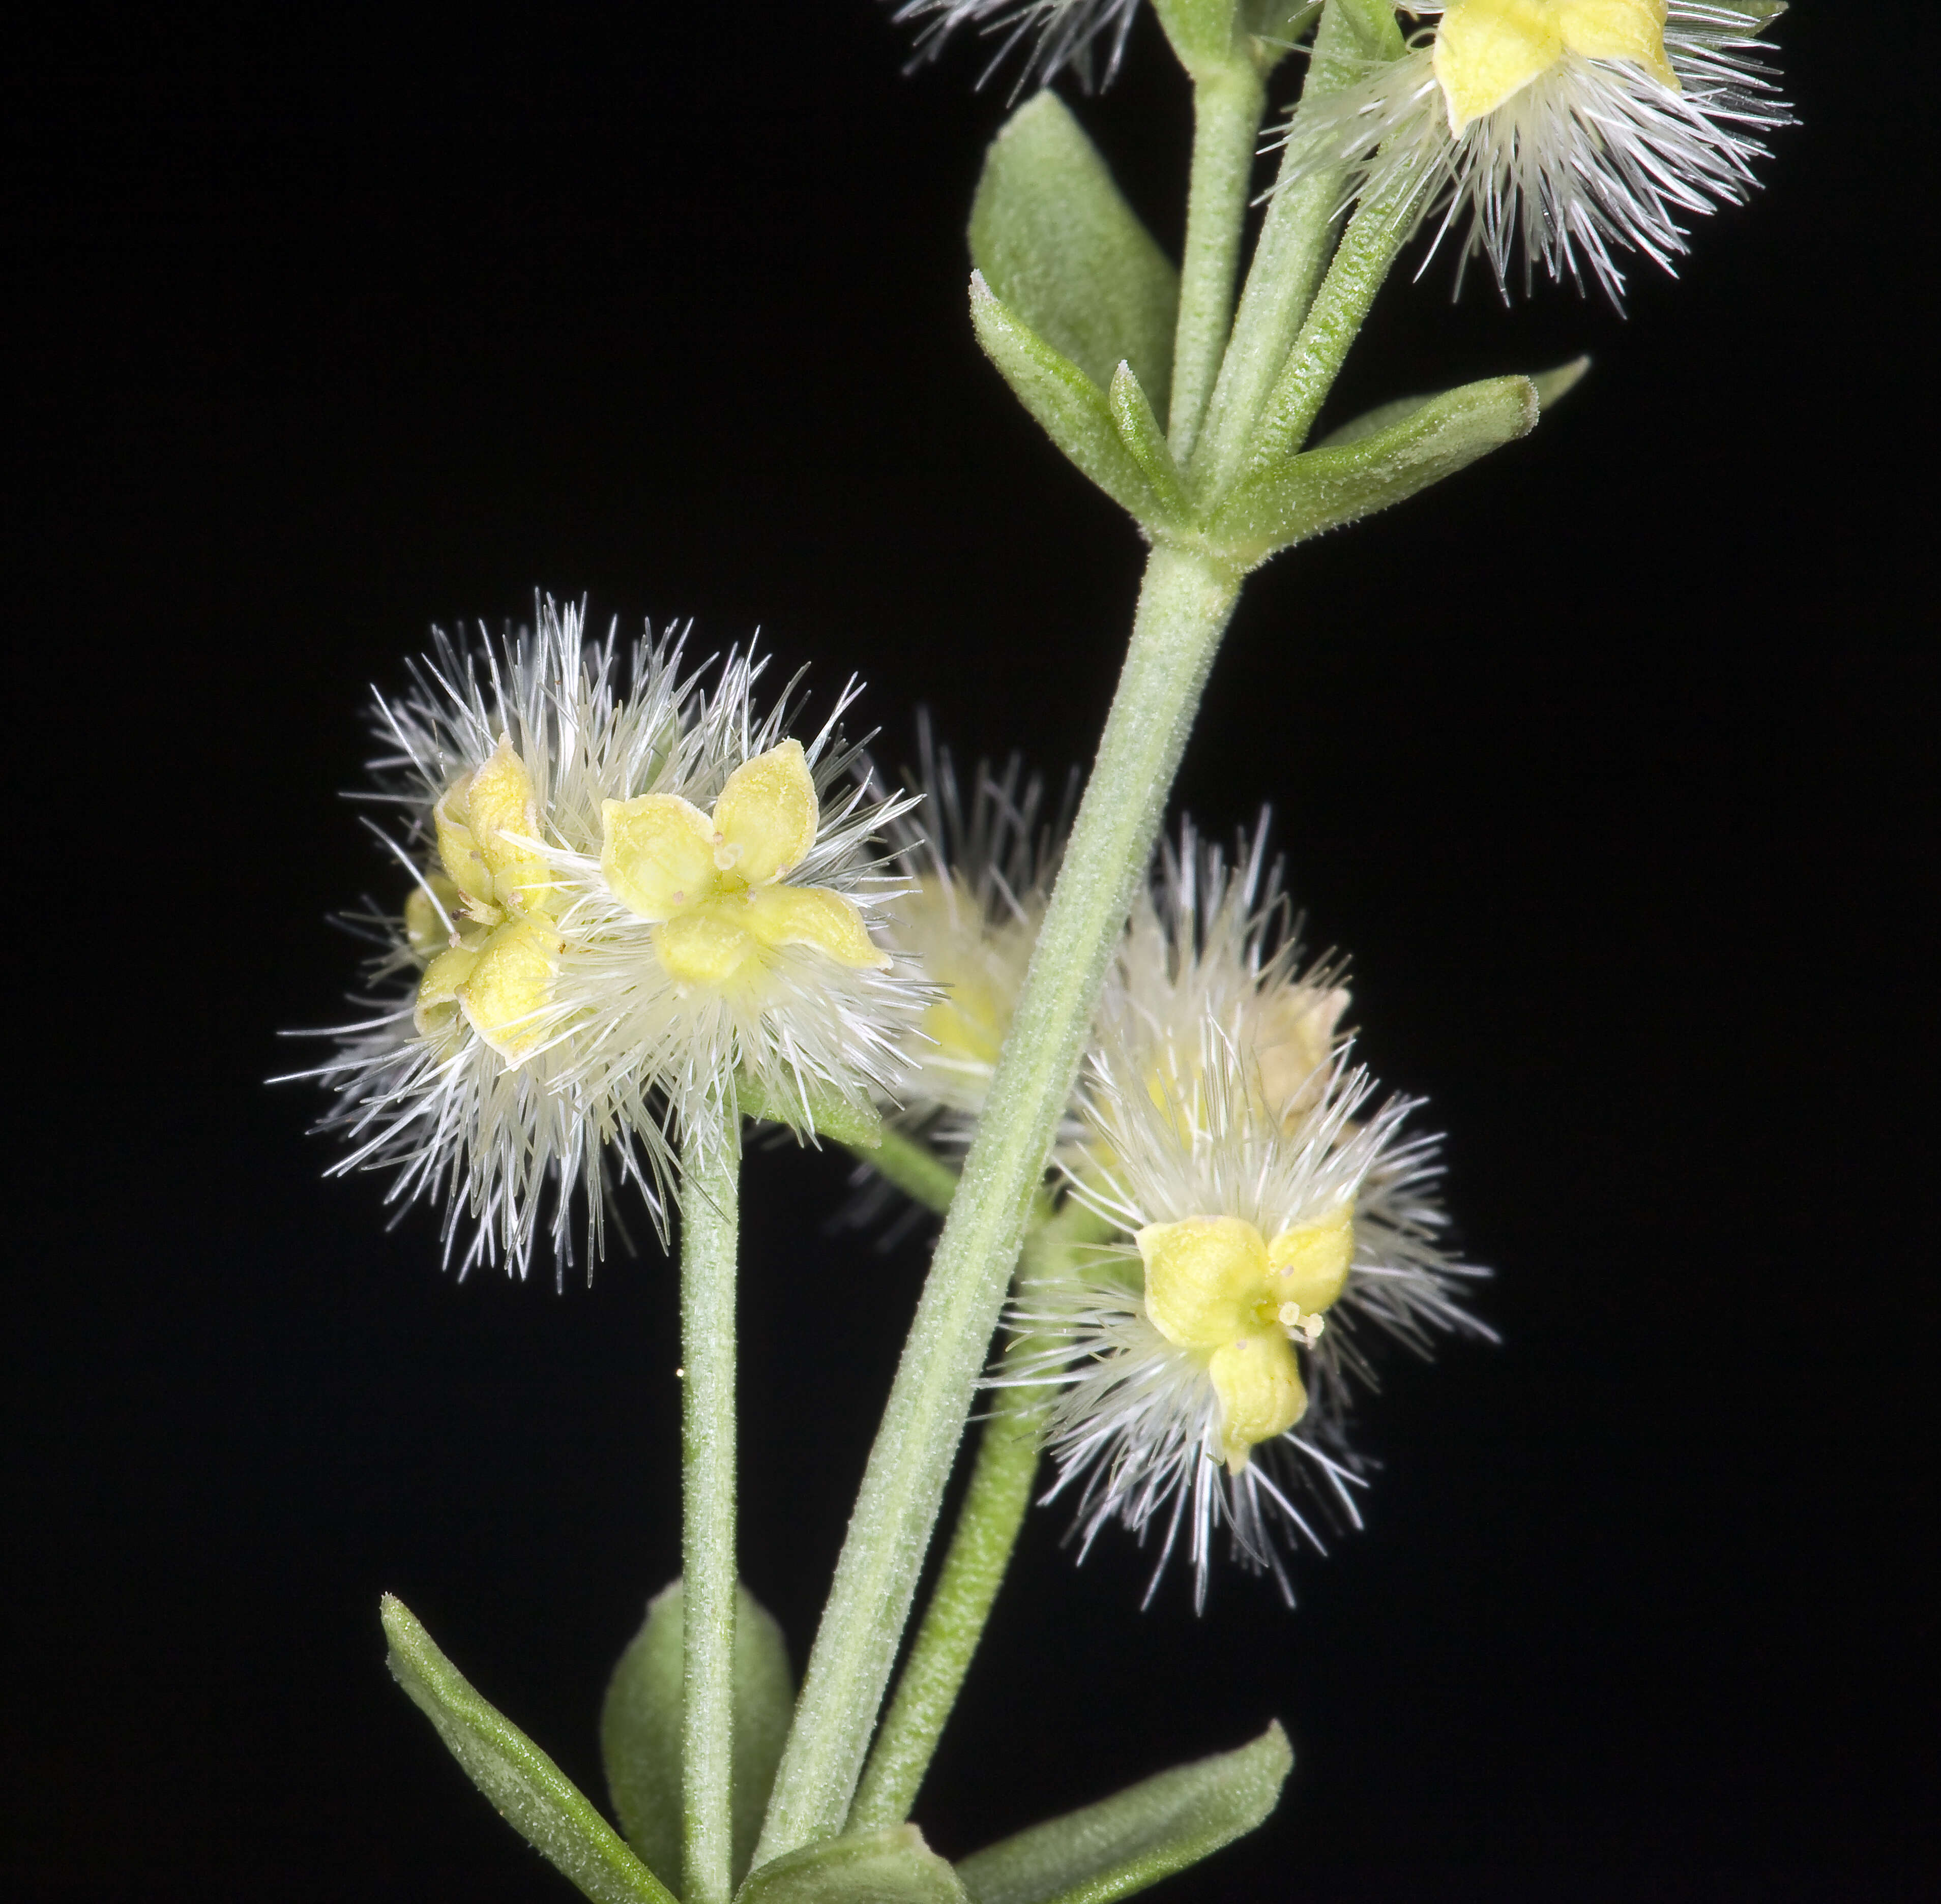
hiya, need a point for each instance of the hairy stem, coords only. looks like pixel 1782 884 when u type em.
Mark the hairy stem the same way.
pixel 1375 234
pixel 1184 605
pixel 918 1171
pixel 1227 103
pixel 981 1545
pixel 1296 237
pixel 709 1224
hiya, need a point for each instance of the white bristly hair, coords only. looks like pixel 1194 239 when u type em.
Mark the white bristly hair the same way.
pixel 452 1122
pixel 1087 38
pixel 980 877
pixel 1595 158
pixel 1136 1429
pixel 798 1021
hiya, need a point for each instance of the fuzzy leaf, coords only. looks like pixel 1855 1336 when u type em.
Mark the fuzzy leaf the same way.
pixel 1140 431
pixel 525 1787
pixel 1071 408
pixel 1551 386
pixel 1299 496
pixel 640 1729
pixel 1201 31
pixel 829 1115
pixel 1146 1832
pixel 1057 243
pixel 890 1866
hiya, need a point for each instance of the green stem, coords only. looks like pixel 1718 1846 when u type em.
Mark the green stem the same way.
pixel 1227 103
pixel 953 1623
pixel 915 1169
pixel 1184 605
pixel 710 1223
pixel 981 1545
pixel 1375 234
pixel 1296 237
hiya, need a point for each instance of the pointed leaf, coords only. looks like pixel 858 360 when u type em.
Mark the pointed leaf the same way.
pixel 1057 243
pixel 1296 497
pixel 1146 1832
pixel 525 1787
pixel 639 1729
pixel 1071 409
pixel 1374 24
pixel 1551 386
pixel 1140 430
pixel 891 1866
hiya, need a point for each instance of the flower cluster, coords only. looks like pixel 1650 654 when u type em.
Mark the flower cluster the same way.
pixel 1584 128
pixel 1257 1220
pixel 629 889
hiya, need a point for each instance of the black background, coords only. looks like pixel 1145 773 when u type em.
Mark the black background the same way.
pixel 1610 763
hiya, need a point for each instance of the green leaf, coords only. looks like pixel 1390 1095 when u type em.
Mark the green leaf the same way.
pixel 639 1729
pixel 1140 431
pixel 828 1115
pixel 1146 1832
pixel 890 1866
pixel 1070 408
pixel 1057 243
pixel 1552 385
pixel 1299 496
pixel 525 1787
pixel 1201 31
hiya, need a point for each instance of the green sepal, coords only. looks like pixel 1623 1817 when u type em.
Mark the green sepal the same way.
pixel 1069 407
pixel 524 1787
pixel 1142 433
pixel 640 1729
pixel 890 1866
pixel 827 1116
pixel 1057 243
pixel 1551 386
pixel 1375 26
pixel 1146 1832
pixel 1295 498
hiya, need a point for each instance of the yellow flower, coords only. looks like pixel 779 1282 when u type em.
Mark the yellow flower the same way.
pixel 498 971
pixel 1486 51
pixel 1214 1284
pixel 712 885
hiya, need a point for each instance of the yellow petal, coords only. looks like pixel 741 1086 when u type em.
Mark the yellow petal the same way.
pixel 499 804
pixel 1488 50
pixel 506 995
pixel 767 815
pixel 1620 29
pixel 1203 1278
pixel 437 1008
pixel 657 855
pixel 428 931
pixel 706 944
pixel 1258 1382
pixel 813 915
pixel 1310 1264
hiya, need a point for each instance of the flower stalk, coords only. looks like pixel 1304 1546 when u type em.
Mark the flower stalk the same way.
pixel 710 1231
pixel 1228 102
pixel 1185 603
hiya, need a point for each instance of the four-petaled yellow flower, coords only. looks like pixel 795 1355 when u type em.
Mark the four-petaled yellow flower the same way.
pixel 1215 1285
pixel 498 966
pixel 712 885
pixel 1486 51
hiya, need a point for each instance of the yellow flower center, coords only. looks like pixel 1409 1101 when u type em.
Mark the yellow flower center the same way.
pixel 1486 51
pixel 1215 1285
pixel 712 886
pixel 491 910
